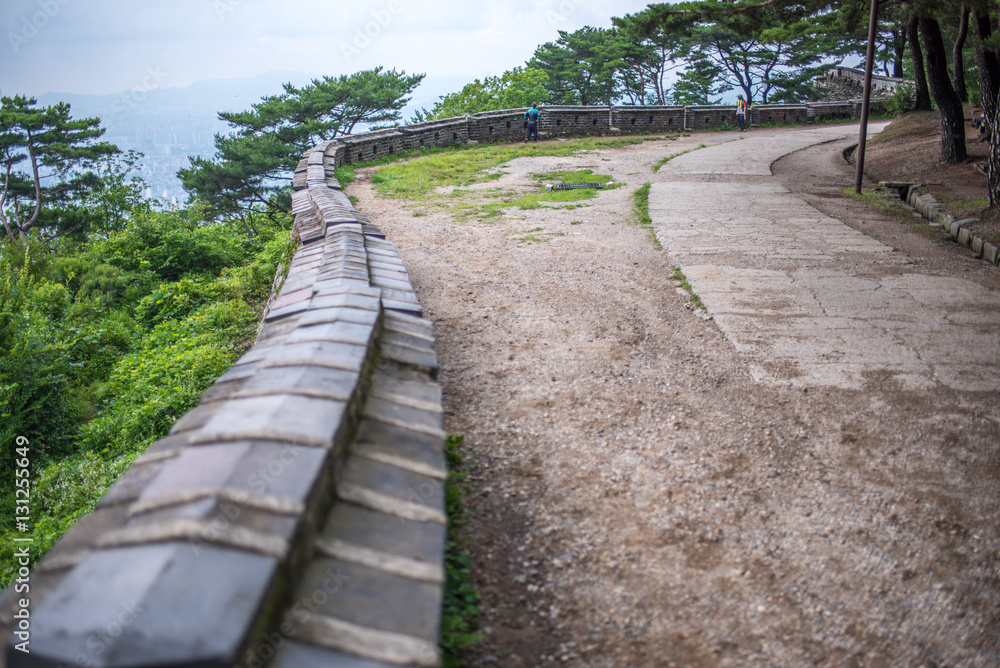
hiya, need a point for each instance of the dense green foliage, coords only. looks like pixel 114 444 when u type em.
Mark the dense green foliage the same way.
pixel 253 165
pixel 106 342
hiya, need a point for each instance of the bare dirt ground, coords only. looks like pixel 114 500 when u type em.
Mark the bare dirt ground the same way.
pixel 638 500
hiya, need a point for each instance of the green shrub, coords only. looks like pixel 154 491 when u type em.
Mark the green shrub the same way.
pixel 35 366
pixel 172 301
pixel 173 246
pixel 159 381
pixel 902 100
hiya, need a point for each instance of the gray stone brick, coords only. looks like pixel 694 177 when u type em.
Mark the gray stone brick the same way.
pixel 390 283
pixel 220 521
pixel 425 361
pixel 333 314
pixel 991 253
pixel 372 598
pixel 318 353
pixel 405 448
pixel 120 608
pixel 281 470
pixel 221 391
pixel 195 418
pixel 345 332
pixel 287 418
pixel 344 300
pixel 297 655
pixel 395 337
pixel 346 272
pixel 321 382
pixel 132 483
pixel 285 311
pixel 402 307
pixel 420 541
pixel 392 412
pixel 399 491
pixel 273 332
pixel 399 295
pixel 390 274
pixel 413 326
pixel 407 385
pixel 343 286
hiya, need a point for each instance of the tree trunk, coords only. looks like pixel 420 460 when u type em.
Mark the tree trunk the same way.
pixel 923 97
pixel 898 51
pixel 952 119
pixel 956 57
pixel 988 61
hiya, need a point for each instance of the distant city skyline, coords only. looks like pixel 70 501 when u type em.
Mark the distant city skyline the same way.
pixel 102 47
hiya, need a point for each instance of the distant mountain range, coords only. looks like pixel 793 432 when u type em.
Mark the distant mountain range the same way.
pixel 170 124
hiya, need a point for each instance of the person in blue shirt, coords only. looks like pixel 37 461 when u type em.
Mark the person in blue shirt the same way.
pixel 532 117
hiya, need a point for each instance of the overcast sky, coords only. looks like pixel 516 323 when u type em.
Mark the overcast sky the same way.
pixel 109 46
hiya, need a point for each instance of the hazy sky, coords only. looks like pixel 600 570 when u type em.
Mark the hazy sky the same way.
pixel 109 46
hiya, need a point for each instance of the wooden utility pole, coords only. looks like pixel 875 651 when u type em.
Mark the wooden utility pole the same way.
pixel 866 97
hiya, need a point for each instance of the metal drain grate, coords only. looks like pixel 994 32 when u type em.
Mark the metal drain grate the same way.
pixel 573 186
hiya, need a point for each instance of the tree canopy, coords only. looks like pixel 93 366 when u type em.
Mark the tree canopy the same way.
pixel 515 88
pixel 253 164
pixel 47 160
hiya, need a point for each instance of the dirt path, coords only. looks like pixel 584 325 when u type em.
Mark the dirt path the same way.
pixel 639 500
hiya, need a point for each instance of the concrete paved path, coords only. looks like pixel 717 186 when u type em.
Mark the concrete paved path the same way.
pixel 808 299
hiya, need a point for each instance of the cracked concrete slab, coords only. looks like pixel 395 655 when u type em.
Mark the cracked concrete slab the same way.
pixel 809 300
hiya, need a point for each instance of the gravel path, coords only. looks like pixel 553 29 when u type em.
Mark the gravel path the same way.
pixel 643 495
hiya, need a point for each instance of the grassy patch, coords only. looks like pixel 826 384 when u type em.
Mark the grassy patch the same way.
pixel 536 235
pixel 418 178
pixel 460 611
pixel 486 204
pixel 682 283
pixel 640 207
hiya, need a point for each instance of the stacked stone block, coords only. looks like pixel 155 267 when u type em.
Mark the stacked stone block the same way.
pixel 634 119
pixel 565 121
pixel 506 125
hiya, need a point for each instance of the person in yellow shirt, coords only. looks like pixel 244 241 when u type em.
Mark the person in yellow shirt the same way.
pixel 742 107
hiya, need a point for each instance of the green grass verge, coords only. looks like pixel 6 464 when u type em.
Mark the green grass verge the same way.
pixel 460 611
pixel 640 207
pixel 682 282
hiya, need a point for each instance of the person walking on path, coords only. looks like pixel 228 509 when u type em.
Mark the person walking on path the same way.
pixel 532 117
pixel 742 106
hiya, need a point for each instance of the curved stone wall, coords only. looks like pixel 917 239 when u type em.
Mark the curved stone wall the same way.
pixel 296 516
